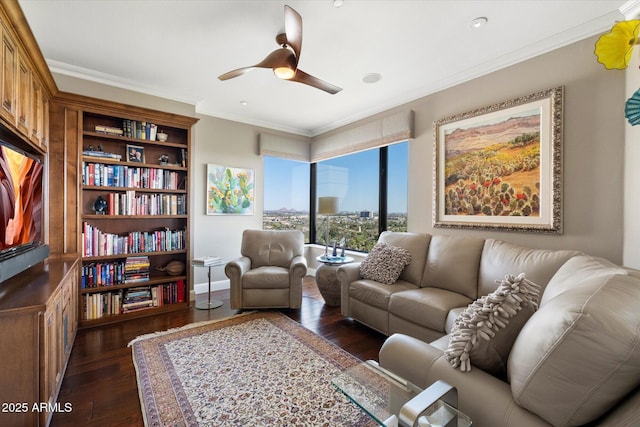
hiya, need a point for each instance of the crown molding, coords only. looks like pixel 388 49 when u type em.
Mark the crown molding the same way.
pixel 630 10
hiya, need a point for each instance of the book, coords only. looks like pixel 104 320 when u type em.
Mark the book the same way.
pixel 101 154
pixel 110 130
pixel 207 260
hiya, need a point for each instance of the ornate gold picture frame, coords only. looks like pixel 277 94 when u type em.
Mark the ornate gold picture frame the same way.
pixel 500 167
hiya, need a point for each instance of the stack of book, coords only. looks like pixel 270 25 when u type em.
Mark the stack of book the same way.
pixel 101 304
pixel 136 269
pixel 101 154
pixel 139 130
pixel 109 130
pixel 207 260
pixel 136 299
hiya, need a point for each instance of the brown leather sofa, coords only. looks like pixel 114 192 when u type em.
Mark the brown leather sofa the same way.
pixel 576 360
pixel 270 271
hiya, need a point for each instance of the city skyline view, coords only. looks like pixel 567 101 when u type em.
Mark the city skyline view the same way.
pixel 353 179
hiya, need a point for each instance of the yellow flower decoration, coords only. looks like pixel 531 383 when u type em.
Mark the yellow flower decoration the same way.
pixel 614 48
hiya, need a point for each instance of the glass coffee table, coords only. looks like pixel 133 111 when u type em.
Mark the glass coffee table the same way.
pixel 393 401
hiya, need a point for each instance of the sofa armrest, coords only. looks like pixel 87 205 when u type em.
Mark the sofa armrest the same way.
pixel 237 267
pixel 481 396
pixel 234 271
pixel 298 267
pixel 346 274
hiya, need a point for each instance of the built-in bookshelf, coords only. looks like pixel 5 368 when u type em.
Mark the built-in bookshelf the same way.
pixel 134 215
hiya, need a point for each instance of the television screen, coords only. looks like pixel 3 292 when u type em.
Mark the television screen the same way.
pixel 20 201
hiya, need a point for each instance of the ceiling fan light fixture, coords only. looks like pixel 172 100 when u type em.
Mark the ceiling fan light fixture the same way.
pixel 284 73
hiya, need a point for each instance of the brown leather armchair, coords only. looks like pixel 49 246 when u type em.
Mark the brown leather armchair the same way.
pixel 269 273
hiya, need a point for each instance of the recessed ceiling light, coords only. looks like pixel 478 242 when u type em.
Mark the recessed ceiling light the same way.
pixel 478 22
pixel 338 3
pixel 244 103
pixel 371 78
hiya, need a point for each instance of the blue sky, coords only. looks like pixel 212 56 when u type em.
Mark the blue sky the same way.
pixel 353 178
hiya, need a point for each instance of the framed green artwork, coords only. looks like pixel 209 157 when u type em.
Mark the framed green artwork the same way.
pixel 230 190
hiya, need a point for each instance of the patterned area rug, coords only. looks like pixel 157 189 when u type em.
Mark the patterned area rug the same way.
pixel 258 369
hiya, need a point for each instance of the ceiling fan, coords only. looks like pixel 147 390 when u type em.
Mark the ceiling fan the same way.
pixel 284 61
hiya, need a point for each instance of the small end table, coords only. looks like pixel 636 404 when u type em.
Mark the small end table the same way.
pixel 209 304
pixel 327 279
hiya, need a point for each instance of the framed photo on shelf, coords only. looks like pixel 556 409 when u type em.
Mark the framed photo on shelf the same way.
pixel 499 167
pixel 230 190
pixel 135 153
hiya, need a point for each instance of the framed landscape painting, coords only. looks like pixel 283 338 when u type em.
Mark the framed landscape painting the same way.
pixel 499 167
pixel 229 190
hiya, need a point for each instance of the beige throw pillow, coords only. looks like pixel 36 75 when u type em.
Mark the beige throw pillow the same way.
pixel 384 263
pixel 485 331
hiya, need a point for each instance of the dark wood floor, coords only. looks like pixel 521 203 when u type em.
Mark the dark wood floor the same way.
pixel 100 381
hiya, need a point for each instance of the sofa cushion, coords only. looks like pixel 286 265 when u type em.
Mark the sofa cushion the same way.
pixel 377 294
pixel 452 317
pixel 579 354
pixel 417 244
pixel 427 307
pixel 272 247
pixel 502 258
pixel 266 277
pixel 453 263
pixel 384 263
pixel 485 332
pixel 578 272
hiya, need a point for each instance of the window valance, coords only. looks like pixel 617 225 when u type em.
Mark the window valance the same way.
pixel 379 132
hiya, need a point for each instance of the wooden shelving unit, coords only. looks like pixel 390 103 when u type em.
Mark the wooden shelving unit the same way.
pixel 147 213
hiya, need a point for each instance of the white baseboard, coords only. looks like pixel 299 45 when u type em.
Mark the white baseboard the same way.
pixel 218 285
pixel 201 288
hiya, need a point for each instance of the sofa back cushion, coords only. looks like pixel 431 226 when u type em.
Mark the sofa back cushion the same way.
pixel 453 263
pixel 500 259
pixel 579 354
pixel 578 272
pixel 417 244
pixel 272 247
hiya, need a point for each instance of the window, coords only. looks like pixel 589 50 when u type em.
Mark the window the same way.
pixel 397 180
pixel 354 180
pixel 286 195
pixel 371 187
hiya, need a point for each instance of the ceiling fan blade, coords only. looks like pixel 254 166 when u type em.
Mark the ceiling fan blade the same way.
pixel 235 73
pixel 278 58
pixel 293 29
pixel 302 77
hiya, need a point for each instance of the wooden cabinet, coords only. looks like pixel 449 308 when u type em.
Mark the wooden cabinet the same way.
pixel 23 85
pixel 147 217
pixel 9 79
pixel 143 224
pixel 39 114
pixel 38 329
pixel 24 97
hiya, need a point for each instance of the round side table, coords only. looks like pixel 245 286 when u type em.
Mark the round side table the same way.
pixel 327 280
pixel 209 304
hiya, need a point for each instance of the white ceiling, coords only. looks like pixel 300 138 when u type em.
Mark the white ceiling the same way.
pixel 176 49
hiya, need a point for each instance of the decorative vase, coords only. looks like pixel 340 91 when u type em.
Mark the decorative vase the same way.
pixel 100 205
pixel 173 268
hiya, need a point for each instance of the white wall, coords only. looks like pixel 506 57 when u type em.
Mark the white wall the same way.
pixel 227 143
pixel 632 172
pixel 594 144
